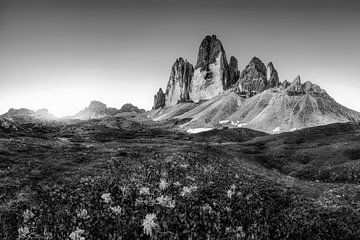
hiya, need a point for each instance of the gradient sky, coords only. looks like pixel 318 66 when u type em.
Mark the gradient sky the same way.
pixel 61 54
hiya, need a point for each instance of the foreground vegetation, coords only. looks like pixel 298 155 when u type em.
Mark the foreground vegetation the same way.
pixel 121 179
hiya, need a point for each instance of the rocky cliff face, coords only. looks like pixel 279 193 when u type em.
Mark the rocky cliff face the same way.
pixel 178 87
pixel 253 77
pixel 211 74
pixel 233 70
pixel 272 76
pixel 159 99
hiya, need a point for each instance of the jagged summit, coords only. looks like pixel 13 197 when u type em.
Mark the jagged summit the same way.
pixel 233 71
pixel 272 76
pixel 159 99
pixel 211 74
pixel 215 91
pixel 178 87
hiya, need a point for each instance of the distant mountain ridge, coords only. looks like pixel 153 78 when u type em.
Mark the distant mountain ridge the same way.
pixel 41 114
pixel 96 109
pixel 218 94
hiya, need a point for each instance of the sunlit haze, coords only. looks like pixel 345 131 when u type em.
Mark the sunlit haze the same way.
pixel 61 55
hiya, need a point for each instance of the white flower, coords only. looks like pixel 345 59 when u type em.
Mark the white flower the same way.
pixel 27 215
pixel 82 213
pixel 163 184
pixel 207 208
pixel 124 189
pixel 149 224
pixel 184 165
pixel 117 210
pixel 177 183
pixel 106 197
pixel 187 190
pixel 231 191
pixel 76 235
pixel 166 201
pixel 144 191
pixel 23 231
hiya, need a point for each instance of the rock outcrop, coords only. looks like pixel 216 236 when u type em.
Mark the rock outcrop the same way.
pixel 233 70
pixel 298 88
pixel 178 87
pixel 159 99
pixel 253 78
pixel 211 74
pixel 128 107
pixel 272 76
pixel 96 109
pixel 43 114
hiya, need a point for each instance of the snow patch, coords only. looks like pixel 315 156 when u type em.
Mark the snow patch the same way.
pixel 198 130
pixel 241 125
pixel 224 122
pixel 293 129
pixel 276 130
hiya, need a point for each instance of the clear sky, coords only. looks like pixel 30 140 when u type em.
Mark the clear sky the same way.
pixel 61 54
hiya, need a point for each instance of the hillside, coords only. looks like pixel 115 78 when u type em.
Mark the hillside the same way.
pixel 105 177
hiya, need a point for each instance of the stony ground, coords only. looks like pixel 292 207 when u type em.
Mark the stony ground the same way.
pixel 129 178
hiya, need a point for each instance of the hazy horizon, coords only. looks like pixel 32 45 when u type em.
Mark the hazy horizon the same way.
pixel 62 54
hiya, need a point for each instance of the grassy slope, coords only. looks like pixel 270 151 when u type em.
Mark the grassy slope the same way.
pixel 64 168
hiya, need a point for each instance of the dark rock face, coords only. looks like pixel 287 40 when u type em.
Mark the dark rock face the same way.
pixel 253 77
pixel 233 70
pixel 211 74
pixel 159 99
pixel 272 76
pixel 178 87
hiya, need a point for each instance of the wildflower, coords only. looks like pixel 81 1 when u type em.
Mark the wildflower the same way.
pixel 177 183
pixel 207 208
pixel 231 191
pixel 76 235
pixel 82 213
pixel 185 165
pixel 190 178
pixel 240 233
pixel 124 189
pixel 23 231
pixel 187 190
pixel 163 184
pixel 117 210
pixel 27 215
pixel 106 197
pixel 149 224
pixel 166 201
pixel 144 191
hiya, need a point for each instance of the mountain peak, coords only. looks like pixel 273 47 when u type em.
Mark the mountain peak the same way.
pixel 178 87
pixel 159 99
pixel 211 74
